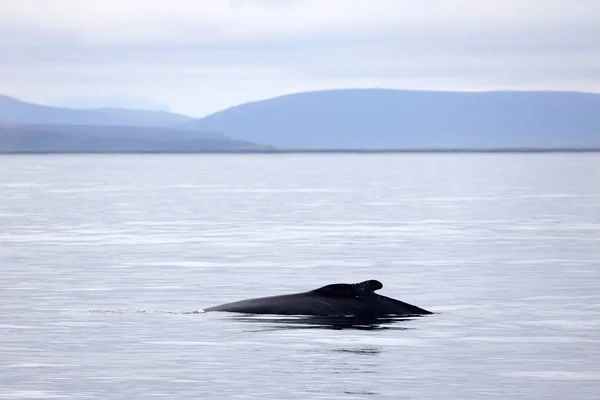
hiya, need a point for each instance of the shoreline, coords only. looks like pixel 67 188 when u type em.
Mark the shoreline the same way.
pixel 308 151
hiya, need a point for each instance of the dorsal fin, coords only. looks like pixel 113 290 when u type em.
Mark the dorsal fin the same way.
pixel 357 290
pixel 370 285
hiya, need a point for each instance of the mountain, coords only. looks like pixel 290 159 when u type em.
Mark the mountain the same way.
pixel 27 127
pixel 98 138
pixel 13 111
pixel 385 118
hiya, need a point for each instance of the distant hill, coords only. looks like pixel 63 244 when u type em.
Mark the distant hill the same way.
pixel 97 138
pixel 26 127
pixel 383 118
pixel 13 111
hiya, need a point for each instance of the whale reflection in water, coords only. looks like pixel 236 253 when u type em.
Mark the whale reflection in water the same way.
pixel 280 322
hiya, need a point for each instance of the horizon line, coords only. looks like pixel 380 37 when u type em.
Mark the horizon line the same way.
pixel 315 151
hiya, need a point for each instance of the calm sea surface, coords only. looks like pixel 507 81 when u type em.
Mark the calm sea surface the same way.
pixel 104 261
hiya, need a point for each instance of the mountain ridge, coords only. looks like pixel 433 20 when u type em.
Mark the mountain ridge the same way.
pixel 28 127
pixel 391 118
pixel 17 111
pixel 37 138
pixel 353 119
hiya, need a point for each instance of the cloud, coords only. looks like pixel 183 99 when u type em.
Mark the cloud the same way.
pixel 207 21
pixel 200 56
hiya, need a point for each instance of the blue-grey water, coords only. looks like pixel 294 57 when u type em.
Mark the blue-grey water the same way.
pixel 105 259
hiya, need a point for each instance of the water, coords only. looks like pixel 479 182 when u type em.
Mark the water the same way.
pixel 104 259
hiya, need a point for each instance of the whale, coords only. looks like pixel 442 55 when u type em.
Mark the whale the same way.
pixel 336 300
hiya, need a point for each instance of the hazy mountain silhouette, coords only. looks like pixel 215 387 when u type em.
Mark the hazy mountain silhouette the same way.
pixel 334 119
pixel 383 118
pixel 13 111
pixel 26 127
pixel 97 138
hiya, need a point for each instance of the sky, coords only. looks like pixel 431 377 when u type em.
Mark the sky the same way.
pixel 201 56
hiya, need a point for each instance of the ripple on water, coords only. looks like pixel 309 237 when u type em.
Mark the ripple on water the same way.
pixel 31 394
pixel 561 375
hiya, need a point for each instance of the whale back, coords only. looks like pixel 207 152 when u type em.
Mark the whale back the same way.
pixel 339 299
pixel 359 290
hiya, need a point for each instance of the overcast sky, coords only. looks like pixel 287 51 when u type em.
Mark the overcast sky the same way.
pixel 200 56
